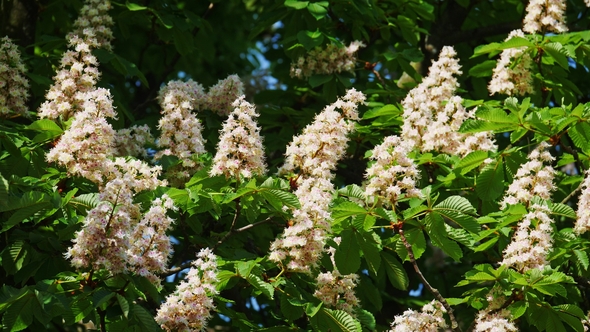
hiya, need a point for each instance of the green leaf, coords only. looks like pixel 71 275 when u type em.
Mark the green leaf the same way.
pixel 483 69
pixel 435 227
pixel 46 125
pixel 183 41
pixel 284 197
pixel 582 257
pixel 134 7
pixel 310 39
pixel 387 110
pixel 347 256
pixel 101 296
pixel 486 245
pixel 370 250
pixel 296 4
pixel 85 202
pixel 457 209
pixel 24 213
pixel 517 309
pixel 557 52
pixel 318 9
pixel 335 321
pixel 580 135
pixel 497 115
pixel 144 319
pixel 345 210
pixel 477 126
pixel 19 314
pixel 319 79
pixel 472 160
pixel 563 210
pixel 489 184
pixel 124 304
pixel 415 237
pixel 264 287
pixel 484 49
pixel 395 271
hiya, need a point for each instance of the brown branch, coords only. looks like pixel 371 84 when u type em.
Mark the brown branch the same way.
pixel 433 290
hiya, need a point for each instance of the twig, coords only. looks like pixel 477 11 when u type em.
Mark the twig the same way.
pixel 103 322
pixel 574 192
pixel 433 290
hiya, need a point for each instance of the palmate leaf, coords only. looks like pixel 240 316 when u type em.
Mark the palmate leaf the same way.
pixel 264 287
pixel 19 314
pixel 24 213
pixel 395 271
pixel 471 161
pixel 143 318
pixel 335 320
pixel 489 184
pixel 347 256
pixel 459 210
pixel 370 250
pixel 85 202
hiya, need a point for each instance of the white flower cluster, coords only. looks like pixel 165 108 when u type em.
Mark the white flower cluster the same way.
pixel 332 59
pixel 533 178
pixel 77 75
pixel 545 16
pixel 240 150
pixel 512 74
pixel 14 86
pixel 115 236
pixel 314 155
pixel 393 174
pixel 180 130
pixel 430 319
pixel 94 23
pixel 532 242
pixel 433 114
pixel 131 141
pixel 337 290
pixel 85 148
pixel 493 318
pixel 583 213
pixel 189 307
pixel 222 95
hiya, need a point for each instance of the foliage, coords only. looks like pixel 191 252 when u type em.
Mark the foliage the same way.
pixel 449 240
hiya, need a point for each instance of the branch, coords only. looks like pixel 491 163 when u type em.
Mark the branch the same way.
pixel 433 290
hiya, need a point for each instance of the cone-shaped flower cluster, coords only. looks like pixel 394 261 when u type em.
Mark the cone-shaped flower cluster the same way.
pixel 337 290
pixel 583 213
pixel 314 155
pixel 189 307
pixel 77 75
pixel 532 242
pixel 222 95
pixel 317 150
pixel 430 319
pixel 545 16
pixel 512 75
pixel 94 23
pixel 433 114
pixel 180 128
pixel 240 151
pixel 84 149
pixel 332 59
pixel 14 86
pixel 534 178
pixel 393 174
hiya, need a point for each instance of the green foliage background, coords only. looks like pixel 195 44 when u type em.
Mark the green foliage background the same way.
pixel 457 233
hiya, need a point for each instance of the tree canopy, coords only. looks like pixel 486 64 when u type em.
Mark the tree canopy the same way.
pixel 286 165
